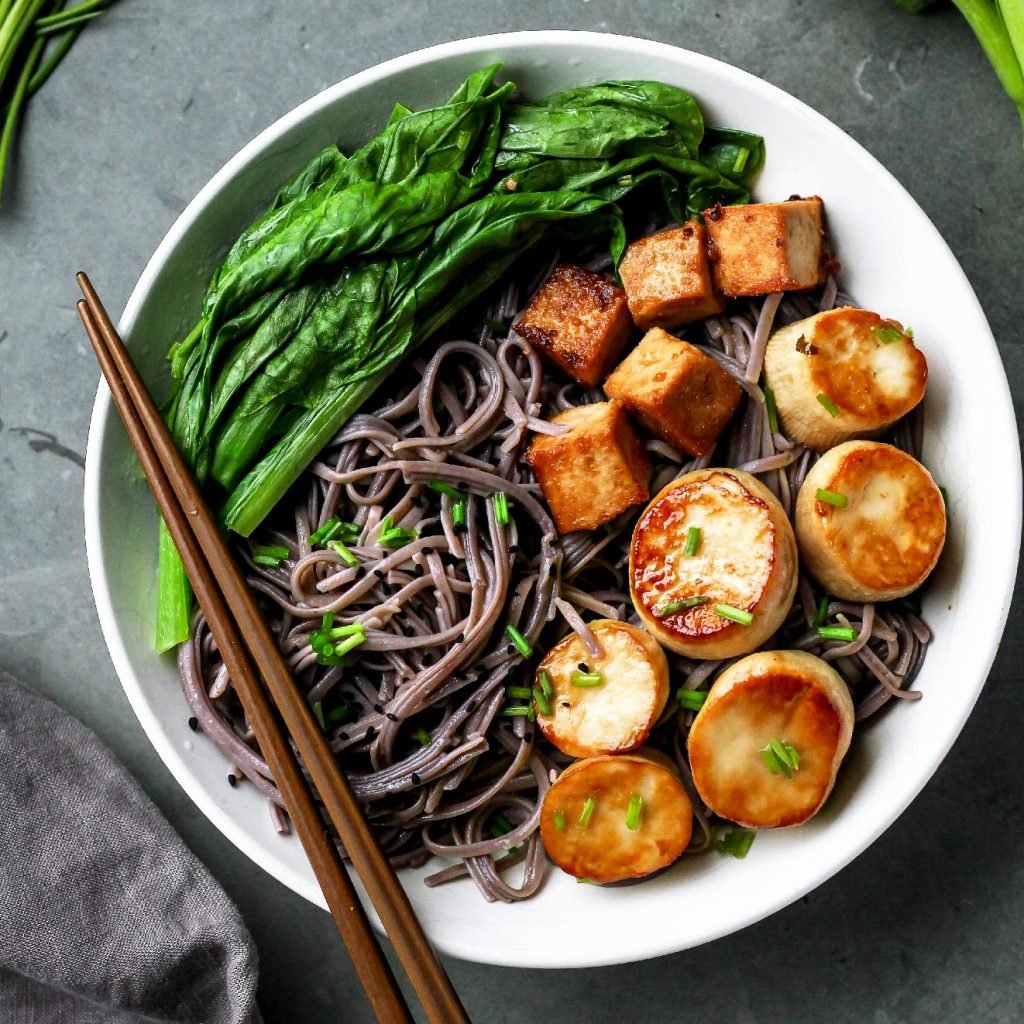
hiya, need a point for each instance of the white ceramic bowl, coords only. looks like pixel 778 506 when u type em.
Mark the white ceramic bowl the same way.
pixel 894 261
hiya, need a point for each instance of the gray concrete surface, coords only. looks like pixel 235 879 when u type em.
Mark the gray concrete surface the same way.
pixel 926 925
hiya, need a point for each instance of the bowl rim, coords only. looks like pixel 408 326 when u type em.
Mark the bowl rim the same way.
pixel 103 416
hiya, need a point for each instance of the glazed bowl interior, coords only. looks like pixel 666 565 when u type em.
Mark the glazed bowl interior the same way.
pixel 894 261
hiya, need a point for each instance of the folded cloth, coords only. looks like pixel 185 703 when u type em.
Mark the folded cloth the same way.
pixel 105 915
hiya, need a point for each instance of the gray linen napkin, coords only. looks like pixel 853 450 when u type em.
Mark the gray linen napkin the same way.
pixel 105 916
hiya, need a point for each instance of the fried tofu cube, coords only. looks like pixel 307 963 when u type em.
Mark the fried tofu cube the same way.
pixel 767 247
pixel 580 321
pixel 594 471
pixel 675 391
pixel 668 279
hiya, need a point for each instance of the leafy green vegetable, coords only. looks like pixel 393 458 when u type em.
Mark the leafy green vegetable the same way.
pixel 359 259
pixel 999 27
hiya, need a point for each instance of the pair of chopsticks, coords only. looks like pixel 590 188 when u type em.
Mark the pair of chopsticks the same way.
pixel 278 713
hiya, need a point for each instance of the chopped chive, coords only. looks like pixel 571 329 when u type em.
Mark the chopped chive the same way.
pixel 337 632
pixel 887 334
pixel 349 644
pixel 587 813
pixel 831 498
pixel 780 757
pixel 522 645
pixel 634 811
pixel 911 603
pixel 519 712
pixel 727 611
pixel 496 326
pixel 692 541
pixel 500 822
pixel 543 704
pixel 908 331
pixel 586 679
pixel 501 507
pixel 266 560
pixel 847 633
pixel 545 683
pixel 318 712
pixel 829 406
pixel 459 514
pixel 819 615
pixel 560 820
pixel 277 551
pixel 691 700
pixel 741 160
pixel 773 413
pixel 325 533
pixel 391 536
pixel 343 553
pixel 584 881
pixel 339 714
pixel 442 488
pixel 677 606
pixel 522 692
pixel 735 843
pixel 424 737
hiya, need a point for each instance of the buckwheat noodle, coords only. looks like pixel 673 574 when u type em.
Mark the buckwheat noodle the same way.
pixel 439 770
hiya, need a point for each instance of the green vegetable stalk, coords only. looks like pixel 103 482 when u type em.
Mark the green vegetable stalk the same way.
pixel 999 27
pixel 359 259
pixel 26 29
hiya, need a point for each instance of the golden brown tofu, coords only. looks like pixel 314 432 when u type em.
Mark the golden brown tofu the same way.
pixel 615 817
pixel 595 471
pixel 578 320
pixel 767 247
pixel 675 391
pixel 667 278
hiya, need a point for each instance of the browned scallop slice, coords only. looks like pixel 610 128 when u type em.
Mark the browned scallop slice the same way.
pixel 745 563
pixel 870 522
pixel 789 699
pixel 629 692
pixel 841 374
pixel 589 830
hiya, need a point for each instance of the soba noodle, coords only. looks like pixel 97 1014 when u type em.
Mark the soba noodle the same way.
pixel 439 768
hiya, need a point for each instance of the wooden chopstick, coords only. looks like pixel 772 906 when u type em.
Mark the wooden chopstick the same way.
pixel 229 598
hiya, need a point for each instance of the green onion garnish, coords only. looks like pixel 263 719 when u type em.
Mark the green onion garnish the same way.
pixel 634 811
pixel 545 683
pixel 339 714
pixel 780 758
pixel 522 692
pixel 318 712
pixel 847 633
pixel 459 514
pixel 328 620
pixel 692 541
pixel 886 334
pixel 343 553
pixel 516 712
pixel 741 160
pixel 911 603
pixel 349 644
pixel 829 406
pixel 734 614
pixel 522 645
pixel 819 615
pixel 586 679
pixel 587 813
pixel 735 843
pixel 560 820
pixel 335 528
pixel 691 700
pixel 677 606
pixel 543 704
pixel 424 737
pixel 500 825
pixel 831 498
pixel 266 560
pixel 392 536
pixel 773 413
pixel 501 507
pixel 442 488
pixel 271 551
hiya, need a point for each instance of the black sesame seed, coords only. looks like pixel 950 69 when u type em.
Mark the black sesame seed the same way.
pixel 513 548
pixel 193 723
pixel 379 573
pixel 391 716
pixel 415 778
pixel 379 708
pixel 471 707
pixel 419 570
pixel 342 735
pixel 584 667
pixel 370 732
pixel 232 780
